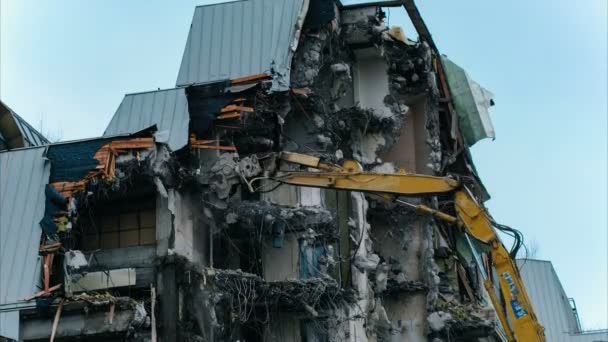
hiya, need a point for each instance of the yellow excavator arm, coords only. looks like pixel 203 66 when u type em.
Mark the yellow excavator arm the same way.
pixel 520 323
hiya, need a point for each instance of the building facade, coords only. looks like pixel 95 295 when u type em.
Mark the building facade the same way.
pixel 170 227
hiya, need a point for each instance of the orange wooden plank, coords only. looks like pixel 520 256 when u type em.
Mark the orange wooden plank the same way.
pixel 233 107
pixel 229 127
pixel 133 143
pixel 43 293
pixel 250 79
pixel 228 116
pixel 300 91
pixel 202 142
pixel 215 147
pixel 50 247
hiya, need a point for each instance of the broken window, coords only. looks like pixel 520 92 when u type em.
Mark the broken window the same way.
pixel 127 223
pixel 311 260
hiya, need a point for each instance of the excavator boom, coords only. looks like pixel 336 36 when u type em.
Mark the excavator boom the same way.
pixel 521 324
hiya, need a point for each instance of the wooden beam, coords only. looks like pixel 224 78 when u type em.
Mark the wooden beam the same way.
pixel 215 147
pixel 233 108
pixel 56 320
pixel 51 247
pixel 250 79
pixel 465 281
pixel 230 115
pixel 152 312
pixel 43 293
pixel 135 143
pixel 228 127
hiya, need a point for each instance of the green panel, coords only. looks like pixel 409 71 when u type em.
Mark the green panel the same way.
pixel 471 102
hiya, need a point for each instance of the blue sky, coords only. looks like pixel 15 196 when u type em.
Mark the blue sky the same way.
pixel 66 65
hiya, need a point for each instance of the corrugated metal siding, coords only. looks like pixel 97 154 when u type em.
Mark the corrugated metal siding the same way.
pixel 167 109
pixel 23 176
pixel 551 303
pixel 237 39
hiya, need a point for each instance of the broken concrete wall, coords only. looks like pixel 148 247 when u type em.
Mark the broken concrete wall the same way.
pixel 79 326
pixel 362 255
pixel 191 234
pixel 371 81
pixel 400 242
pixel 281 263
pixel 164 226
pixel 417 146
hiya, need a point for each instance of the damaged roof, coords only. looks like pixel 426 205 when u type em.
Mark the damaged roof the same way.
pixel 23 176
pixel 242 38
pixel 167 109
pixel 15 132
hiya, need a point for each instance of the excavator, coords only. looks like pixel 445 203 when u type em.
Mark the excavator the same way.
pixel 519 322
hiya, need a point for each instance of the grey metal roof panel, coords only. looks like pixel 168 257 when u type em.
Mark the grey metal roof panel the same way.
pixel 548 298
pixel 30 134
pixel 242 38
pixel 550 302
pixel 23 176
pixel 167 109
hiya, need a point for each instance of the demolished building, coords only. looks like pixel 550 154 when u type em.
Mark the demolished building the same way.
pixel 155 232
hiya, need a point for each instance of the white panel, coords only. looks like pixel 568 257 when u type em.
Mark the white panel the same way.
pixel 310 196
pixel 105 280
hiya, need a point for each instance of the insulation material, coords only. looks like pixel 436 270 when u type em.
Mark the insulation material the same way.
pixel 206 102
pixel 472 103
pixel 72 162
pixel 320 12
pixel 54 204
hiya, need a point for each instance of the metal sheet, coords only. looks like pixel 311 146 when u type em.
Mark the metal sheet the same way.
pixel 23 175
pixel 30 135
pixel 472 103
pixel 242 38
pixel 167 109
pixel 551 303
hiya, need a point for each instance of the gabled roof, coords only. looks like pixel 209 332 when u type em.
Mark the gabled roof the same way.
pixel 23 176
pixel 15 132
pixel 167 109
pixel 237 39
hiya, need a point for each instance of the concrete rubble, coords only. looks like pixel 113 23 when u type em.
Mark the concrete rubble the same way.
pixel 205 247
